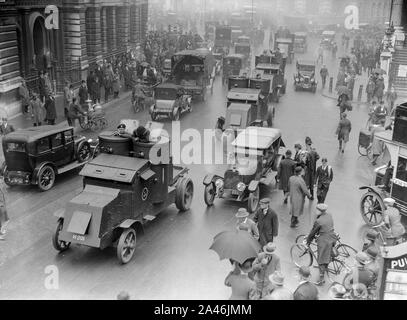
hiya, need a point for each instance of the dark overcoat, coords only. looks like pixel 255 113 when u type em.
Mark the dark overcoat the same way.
pixel 285 171
pixel 267 225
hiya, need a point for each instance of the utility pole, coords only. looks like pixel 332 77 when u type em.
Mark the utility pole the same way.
pixel 391 12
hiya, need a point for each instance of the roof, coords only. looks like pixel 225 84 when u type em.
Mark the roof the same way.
pixel 244 37
pixel 236 55
pixel 306 62
pixel 284 40
pixel 244 94
pixel 168 85
pixel 120 162
pixel 268 66
pixel 202 53
pixel 239 107
pixel 35 133
pixel 328 33
pixel 240 44
pixel 257 138
pixel 300 34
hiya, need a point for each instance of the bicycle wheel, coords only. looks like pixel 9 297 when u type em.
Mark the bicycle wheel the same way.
pixel 94 125
pixel 102 122
pixel 347 281
pixel 346 254
pixel 362 151
pixel 334 269
pixel 301 256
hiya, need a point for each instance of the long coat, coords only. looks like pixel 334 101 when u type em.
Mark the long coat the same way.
pixel 37 110
pixel 324 177
pixel 306 291
pixel 377 145
pixel 298 191
pixel 311 166
pixel 241 285
pixel 262 273
pixel 249 226
pixel 285 171
pixel 324 227
pixel 51 112
pixel 267 225
pixel 344 129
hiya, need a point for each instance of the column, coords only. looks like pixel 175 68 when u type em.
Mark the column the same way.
pixel 144 18
pixel 123 22
pixel 133 25
pixel 111 29
pixel 103 24
pixel 93 34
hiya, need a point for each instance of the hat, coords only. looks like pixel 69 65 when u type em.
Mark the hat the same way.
pixel 121 126
pixel 337 291
pixel 277 278
pixel 298 170
pixel 362 258
pixel 269 248
pixel 265 201
pixel 298 146
pixel 288 153
pixel 322 207
pixel 305 272
pixel 242 213
pixel 372 235
pixel 372 252
pixel 389 201
pixel 141 131
pixel 308 141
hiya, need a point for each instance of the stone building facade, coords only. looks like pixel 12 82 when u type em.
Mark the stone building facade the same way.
pixel 63 37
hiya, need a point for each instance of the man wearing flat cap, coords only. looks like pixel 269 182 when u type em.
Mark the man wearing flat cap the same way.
pixel 298 191
pixel 246 224
pixel 361 273
pixel 306 290
pixel 267 222
pixel 393 227
pixel 324 228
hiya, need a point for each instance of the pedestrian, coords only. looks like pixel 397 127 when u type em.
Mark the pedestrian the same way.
pixel 323 179
pixel 361 274
pixel 379 88
pixel 37 111
pixel 267 222
pixel 324 74
pixel 300 155
pixel 108 82
pixel 89 81
pixel 334 50
pixel 320 53
pixel 377 144
pixel 95 91
pixel 41 86
pixel 68 97
pixel 323 231
pixel 306 290
pixel 278 291
pixel 391 97
pixel 370 240
pixel 370 90
pixel 83 94
pixel 24 96
pixel 285 171
pixel 4 219
pixel 243 288
pixel 373 265
pixel 311 166
pixel 351 86
pixel 50 110
pixel 75 112
pixel 245 223
pixel 116 85
pixel 5 128
pixel 393 227
pixel 298 191
pixel 343 131
pixel 48 85
pixel 266 263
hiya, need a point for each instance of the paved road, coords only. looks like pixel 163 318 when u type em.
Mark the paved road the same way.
pixel 172 260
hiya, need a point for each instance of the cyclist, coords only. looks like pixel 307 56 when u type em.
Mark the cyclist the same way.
pixel 324 228
pixel 138 95
pixel 392 228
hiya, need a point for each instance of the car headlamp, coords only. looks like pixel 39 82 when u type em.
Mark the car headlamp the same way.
pixel 241 187
pixel 219 183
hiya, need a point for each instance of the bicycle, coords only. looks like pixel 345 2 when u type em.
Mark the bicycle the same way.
pixel 342 257
pixel 382 240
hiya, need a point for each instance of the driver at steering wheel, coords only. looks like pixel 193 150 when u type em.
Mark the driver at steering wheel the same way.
pixel 324 228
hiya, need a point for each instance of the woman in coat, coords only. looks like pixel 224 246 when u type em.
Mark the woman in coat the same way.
pixel 343 131
pixel 298 192
pixel 51 112
pixel 37 111
pixel 116 84
pixel 285 172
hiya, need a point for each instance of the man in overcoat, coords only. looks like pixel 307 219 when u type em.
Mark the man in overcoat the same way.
pixel 267 222
pixel 51 112
pixel 243 288
pixel 324 177
pixel 323 228
pixel 306 290
pixel 311 166
pixel 37 111
pixel 246 224
pixel 285 172
pixel 298 191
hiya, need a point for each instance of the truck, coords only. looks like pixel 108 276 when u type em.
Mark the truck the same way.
pixel 194 70
pixel 223 38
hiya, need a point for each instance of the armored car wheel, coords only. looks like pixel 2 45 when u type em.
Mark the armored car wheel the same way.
pixel 46 178
pixel 209 194
pixel 126 245
pixel 83 153
pixel 184 194
pixel 253 201
pixel 58 244
pixel 372 208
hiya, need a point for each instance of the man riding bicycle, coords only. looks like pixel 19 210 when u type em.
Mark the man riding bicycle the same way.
pixel 324 229
pixel 138 96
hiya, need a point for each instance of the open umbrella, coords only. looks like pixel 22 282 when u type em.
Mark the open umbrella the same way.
pixel 379 71
pixel 237 245
pixel 343 90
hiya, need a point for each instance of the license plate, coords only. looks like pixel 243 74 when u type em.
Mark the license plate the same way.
pixel 78 237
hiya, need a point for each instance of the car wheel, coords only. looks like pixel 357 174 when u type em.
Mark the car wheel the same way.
pixel 253 200
pixel 126 245
pixel 209 194
pixel 59 245
pixel 184 194
pixel 83 153
pixel 46 178
pixel 372 208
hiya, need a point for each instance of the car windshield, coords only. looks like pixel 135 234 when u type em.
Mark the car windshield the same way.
pixel 165 94
pixel 306 68
pixel 248 161
pixel 15 147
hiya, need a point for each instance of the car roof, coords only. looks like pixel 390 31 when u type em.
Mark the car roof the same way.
pixel 240 44
pixel 267 66
pixel 236 55
pixel 244 37
pixel 34 133
pixel 168 85
pixel 284 40
pixel 327 32
pixel 300 34
pixel 257 138
pixel 306 62
pixel 202 52
pixel 244 94
pixel 239 107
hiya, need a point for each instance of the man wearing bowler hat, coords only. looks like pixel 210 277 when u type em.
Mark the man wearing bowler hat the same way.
pixel 324 228
pixel 267 222
pixel 266 263
pixel 279 291
pixel 306 290
pixel 298 191
pixel 246 224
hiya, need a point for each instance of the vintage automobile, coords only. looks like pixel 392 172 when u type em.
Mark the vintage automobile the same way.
pixel 233 65
pixel 252 92
pixel 167 67
pixel 270 68
pixel 244 49
pixel 236 33
pixel 305 79
pixel 300 42
pixel 219 62
pixel 328 38
pixel 244 39
pixel 35 156
pixel 194 70
pixel 223 38
pixel 170 100
pixel 391 180
pixel 121 194
pixel 256 155
pixel 286 46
